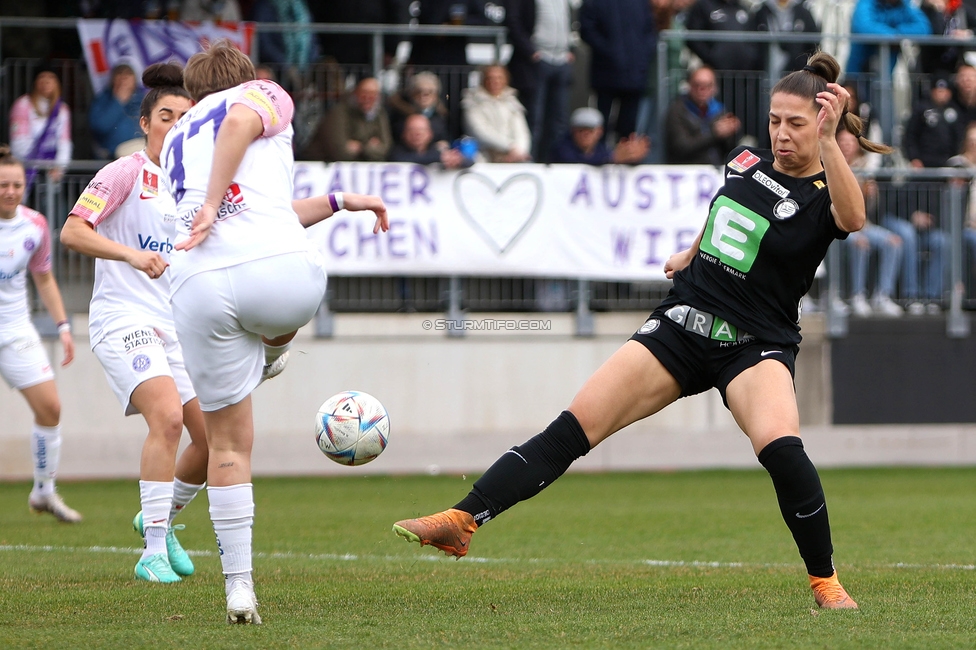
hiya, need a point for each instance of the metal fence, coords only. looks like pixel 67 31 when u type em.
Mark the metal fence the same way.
pixel 325 82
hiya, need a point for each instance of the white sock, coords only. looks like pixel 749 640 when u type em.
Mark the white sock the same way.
pixel 157 500
pixel 232 514
pixel 183 493
pixel 46 451
pixel 272 352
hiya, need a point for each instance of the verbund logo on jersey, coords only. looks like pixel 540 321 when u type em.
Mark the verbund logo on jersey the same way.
pixel 147 243
pixel 4 276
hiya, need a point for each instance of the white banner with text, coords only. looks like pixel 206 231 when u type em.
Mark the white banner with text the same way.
pixel 577 221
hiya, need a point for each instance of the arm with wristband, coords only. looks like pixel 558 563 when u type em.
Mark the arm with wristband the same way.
pixel 319 208
pixel 47 289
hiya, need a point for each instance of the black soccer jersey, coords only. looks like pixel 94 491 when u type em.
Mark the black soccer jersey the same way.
pixel 766 234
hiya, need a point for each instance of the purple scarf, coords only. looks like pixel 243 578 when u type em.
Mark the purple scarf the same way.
pixel 45 146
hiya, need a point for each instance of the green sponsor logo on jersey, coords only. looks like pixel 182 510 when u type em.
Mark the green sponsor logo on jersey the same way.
pixel 733 234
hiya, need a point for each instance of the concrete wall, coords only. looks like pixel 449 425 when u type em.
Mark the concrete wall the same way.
pixel 456 404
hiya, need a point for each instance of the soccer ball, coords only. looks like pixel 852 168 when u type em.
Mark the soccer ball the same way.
pixel 352 428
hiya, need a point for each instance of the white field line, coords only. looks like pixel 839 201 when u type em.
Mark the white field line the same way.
pixel 427 557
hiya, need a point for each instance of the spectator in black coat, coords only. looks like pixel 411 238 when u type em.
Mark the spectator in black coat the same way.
pixel 948 18
pixel 787 17
pixel 417 146
pixel 965 94
pixel 623 38
pixel 449 50
pixel 935 128
pixel 354 48
pixel 724 16
pixel 523 66
pixel 740 93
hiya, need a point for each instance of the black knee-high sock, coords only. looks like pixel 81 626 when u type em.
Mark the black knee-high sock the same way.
pixel 801 500
pixel 522 472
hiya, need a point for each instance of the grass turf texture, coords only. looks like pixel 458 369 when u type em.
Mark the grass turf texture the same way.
pixel 592 562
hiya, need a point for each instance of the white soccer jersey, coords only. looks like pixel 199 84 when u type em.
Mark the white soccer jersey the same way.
pixel 25 246
pixel 126 203
pixel 255 219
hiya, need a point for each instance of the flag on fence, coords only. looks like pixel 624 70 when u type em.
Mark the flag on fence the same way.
pixel 140 43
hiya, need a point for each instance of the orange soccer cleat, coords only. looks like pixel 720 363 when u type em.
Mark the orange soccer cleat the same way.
pixel 829 593
pixel 450 531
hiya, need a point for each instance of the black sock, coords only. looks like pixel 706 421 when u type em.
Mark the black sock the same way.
pixel 801 500
pixel 522 472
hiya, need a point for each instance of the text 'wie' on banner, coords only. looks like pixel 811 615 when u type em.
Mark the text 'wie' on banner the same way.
pixel 601 223
pixel 140 43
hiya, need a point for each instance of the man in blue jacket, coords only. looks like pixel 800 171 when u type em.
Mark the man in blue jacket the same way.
pixel 114 114
pixel 883 18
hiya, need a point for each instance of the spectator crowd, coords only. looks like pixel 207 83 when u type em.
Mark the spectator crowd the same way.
pixel 524 111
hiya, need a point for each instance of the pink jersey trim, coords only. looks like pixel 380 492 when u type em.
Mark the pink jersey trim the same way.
pixel 270 101
pixel 40 259
pixel 109 189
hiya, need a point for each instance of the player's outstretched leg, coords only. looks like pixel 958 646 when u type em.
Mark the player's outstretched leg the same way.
pixel 801 500
pixel 520 474
pixel 46 453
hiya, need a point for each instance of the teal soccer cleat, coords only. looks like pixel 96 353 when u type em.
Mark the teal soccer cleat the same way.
pixel 178 559
pixel 155 568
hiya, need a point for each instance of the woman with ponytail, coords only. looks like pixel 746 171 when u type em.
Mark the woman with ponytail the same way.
pixel 122 220
pixel 731 322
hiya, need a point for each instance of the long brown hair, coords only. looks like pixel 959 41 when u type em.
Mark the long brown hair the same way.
pixel 821 69
pixel 35 96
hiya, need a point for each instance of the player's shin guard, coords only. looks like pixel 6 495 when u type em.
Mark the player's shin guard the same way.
pixel 232 513
pixel 524 471
pixel 801 500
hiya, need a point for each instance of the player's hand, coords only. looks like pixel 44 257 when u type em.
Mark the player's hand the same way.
pixel 202 221
pixel 361 202
pixel 68 345
pixel 832 102
pixel 150 263
pixel 677 262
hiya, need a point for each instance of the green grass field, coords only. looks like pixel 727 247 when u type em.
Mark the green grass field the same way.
pixel 681 560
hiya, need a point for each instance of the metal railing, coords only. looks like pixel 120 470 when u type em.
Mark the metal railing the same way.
pixel 942 192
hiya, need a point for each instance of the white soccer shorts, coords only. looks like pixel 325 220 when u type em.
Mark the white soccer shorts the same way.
pixel 131 355
pixel 221 315
pixel 23 361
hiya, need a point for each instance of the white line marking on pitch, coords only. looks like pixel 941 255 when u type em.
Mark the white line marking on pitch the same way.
pixel 353 557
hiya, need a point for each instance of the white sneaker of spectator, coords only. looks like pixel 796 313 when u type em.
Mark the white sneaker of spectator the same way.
pixel 933 309
pixel 860 306
pixel 916 308
pixel 885 306
pixel 839 307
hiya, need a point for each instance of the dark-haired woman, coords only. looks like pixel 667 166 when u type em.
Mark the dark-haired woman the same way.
pixel 122 219
pixel 26 244
pixel 730 322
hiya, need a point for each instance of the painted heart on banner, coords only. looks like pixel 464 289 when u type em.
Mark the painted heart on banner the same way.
pixel 500 214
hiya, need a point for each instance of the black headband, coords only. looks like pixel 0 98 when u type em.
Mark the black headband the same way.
pixel 811 69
